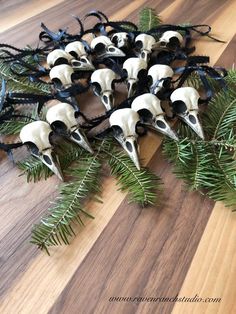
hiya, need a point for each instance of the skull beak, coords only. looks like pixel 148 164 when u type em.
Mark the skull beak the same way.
pixel 132 87
pixel 131 147
pixel 113 51
pixel 52 162
pixel 122 43
pixel 82 65
pixel 80 138
pixel 107 99
pixel 155 89
pixel 160 124
pixel 192 120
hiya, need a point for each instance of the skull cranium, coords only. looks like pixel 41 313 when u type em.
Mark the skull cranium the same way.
pixel 102 81
pixel 62 118
pixel 134 68
pixel 148 106
pixel 104 47
pixel 36 135
pixel 124 123
pixel 185 104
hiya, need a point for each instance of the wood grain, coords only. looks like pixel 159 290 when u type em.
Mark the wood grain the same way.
pixel 125 251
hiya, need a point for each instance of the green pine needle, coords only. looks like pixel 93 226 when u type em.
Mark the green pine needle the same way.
pixel 141 185
pixel 35 170
pixel 21 84
pixel 148 19
pixel 56 228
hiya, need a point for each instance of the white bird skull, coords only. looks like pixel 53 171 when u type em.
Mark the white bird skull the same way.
pixel 102 81
pixel 62 118
pixel 57 57
pixel 160 76
pixel 123 123
pixel 62 75
pixel 185 104
pixel 134 68
pixel 170 40
pixel 104 47
pixel 144 43
pixel 121 39
pixel 80 60
pixel 36 135
pixel 148 106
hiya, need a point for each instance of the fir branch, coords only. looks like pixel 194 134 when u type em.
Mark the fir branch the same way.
pixel 21 84
pixel 141 185
pixel 35 170
pixel 220 117
pixel 56 228
pixel 10 127
pixel 148 19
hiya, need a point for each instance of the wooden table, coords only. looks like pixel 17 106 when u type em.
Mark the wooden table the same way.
pixel 186 247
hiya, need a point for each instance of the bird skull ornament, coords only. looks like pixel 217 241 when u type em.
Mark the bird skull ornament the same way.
pixel 105 48
pixel 120 40
pixel 170 40
pixel 123 123
pixel 62 75
pixel 185 104
pixel 102 81
pixel 148 106
pixel 80 59
pixel 160 76
pixel 62 119
pixel 57 57
pixel 133 68
pixel 144 43
pixel 36 135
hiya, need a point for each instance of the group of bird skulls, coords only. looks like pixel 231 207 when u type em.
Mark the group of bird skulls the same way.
pixel 145 109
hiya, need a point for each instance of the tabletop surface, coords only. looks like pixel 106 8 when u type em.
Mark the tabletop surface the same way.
pixel 187 247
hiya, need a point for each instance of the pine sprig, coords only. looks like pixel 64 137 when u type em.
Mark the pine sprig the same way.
pixel 210 164
pixel 148 19
pixel 141 185
pixel 10 127
pixel 35 170
pixel 21 84
pixel 57 228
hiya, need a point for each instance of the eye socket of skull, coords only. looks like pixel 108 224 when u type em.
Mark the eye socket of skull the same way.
pixel 115 39
pixel 73 54
pixel 149 80
pixel 59 127
pixel 57 83
pixel 113 84
pixel 33 148
pixel 160 124
pixel 179 106
pixel 99 48
pixel 61 61
pixel 145 114
pixel 138 45
pixel 124 73
pixel 173 43
pixel 117 130
pixel 96 88
pixel 166 82
pixel 142 74
pixel 192 119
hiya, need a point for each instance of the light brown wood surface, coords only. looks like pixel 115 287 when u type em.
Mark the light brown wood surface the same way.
pixel 186 247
